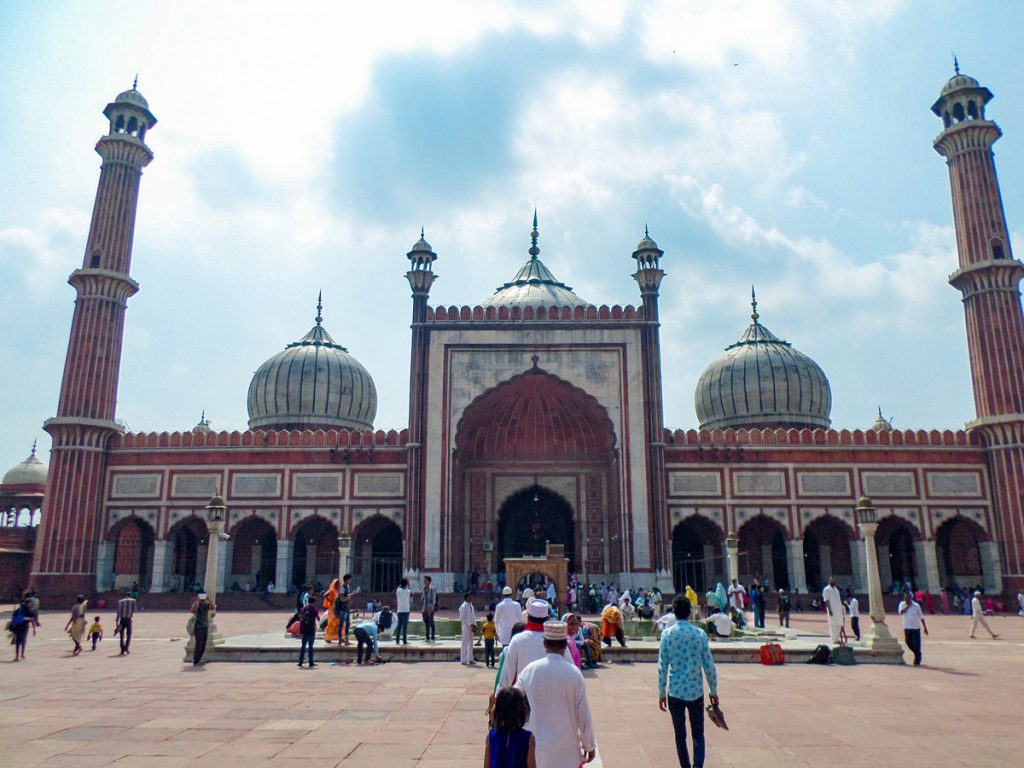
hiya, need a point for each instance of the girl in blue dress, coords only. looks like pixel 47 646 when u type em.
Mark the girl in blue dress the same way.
pixel 509 744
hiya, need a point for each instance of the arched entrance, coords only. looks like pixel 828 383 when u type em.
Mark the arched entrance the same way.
pixel 133 554
pixel 531 519
pixel 187 537
pixel 378 554
pixel 696 554
pixel 254 555
pixel 896 560
pixel 958 542
pixel 827 553
pixel 762 552
pixel 316 553
pixel 536 424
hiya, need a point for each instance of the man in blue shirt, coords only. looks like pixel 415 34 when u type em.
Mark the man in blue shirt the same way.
pixel 683 655
pixel 366 634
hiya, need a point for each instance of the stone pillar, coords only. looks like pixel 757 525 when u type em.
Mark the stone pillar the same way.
pixel 767 564
pixel 877 637
pixel 285 561
pixel 927 567
pixel 859 564
pixel 212 572
pixel 732 550
pixel 344 554
pixel 795 559
pixel 105 566
pixel 311 563
pixel 227 549
pixel 884 567
pixel 163 554
pixel 991 567
pixel 825 562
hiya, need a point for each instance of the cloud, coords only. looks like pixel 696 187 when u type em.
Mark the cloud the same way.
pixel 41 255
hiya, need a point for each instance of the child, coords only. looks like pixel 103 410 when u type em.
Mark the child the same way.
pixel 509 745
pixel 488 631
pixel 96 632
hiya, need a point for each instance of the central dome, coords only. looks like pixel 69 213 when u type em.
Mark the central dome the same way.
pixel 313 384
pixel 534 285
pixel 761 382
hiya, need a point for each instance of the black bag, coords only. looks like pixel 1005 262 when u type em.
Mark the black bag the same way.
pixel 843 655
pixel 822 655
pixel 385 620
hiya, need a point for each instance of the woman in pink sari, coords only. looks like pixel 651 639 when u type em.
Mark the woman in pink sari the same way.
pixel 572 626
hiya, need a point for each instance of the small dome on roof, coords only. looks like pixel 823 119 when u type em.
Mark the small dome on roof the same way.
pixel 132 96
pixel 313 384
pixel 31 471
pixel 958 82
pixel 761 381
pixel 203 425
pixel 881 424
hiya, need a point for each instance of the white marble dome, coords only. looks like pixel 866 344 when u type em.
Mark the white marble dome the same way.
pixel 762 382
pixel 313 383
pixel 31 471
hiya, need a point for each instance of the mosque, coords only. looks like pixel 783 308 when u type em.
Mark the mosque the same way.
pixel 534 417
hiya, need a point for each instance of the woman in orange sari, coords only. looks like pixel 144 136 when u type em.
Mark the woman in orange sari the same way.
pixel 331 633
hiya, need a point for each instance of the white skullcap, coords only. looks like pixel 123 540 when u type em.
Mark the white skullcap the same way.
pixel 555 630
pixel 537 608
pixel 506 591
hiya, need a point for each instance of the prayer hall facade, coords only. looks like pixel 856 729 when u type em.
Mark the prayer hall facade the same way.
pixel 534 417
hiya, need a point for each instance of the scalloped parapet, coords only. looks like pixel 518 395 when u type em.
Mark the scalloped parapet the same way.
pixel 478 314
pixel 821 438
pixel 332 438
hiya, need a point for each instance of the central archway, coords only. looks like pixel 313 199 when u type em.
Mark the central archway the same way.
pixel 531 519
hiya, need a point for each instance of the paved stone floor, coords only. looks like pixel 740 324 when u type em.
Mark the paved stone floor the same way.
pixel 148 709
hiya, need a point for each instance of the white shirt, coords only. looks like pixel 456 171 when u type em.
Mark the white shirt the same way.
pixel 403 597
pixel 834 599
pixel 723 624
pixel 911 616
pixel 524 649
pixel 854 608
pixel 506 616
pixel 736 593
pixel 552 593
pixel 559 711
pixel 467 614
pixel 666 621
pixel 976 609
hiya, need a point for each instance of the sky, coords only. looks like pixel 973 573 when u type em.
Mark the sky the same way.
pixel 300 148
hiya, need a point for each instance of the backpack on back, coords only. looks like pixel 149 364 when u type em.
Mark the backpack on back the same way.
pixel 385 620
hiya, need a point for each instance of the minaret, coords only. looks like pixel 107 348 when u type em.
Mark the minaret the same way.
pixel 69 534
pixel 421 277
pixel 648 276
pixel 989 281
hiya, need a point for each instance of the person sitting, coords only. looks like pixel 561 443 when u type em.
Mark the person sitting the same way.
pixel 739 618
pixel 646 610
pixel 720 624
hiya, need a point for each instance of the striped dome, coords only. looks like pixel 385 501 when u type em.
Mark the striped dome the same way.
pixel 313 384
pixel 761 381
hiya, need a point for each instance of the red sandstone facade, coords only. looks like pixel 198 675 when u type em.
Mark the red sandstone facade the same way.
pixel 529 424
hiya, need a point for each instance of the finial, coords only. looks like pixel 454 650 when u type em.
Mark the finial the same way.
pixel 135 82
pixel 33 447
pixel 536 360
pixel 202 416
pixel 319 307
pixel 646 233
pixel 753 305
pixel 956 64
pixel 422 236
pixel 534 250
pixel 880 412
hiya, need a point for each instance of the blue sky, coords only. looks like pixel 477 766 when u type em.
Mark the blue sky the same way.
pixel 776 143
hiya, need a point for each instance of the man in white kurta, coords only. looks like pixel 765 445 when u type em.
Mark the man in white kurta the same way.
pixel 736 593
pixel 978 616
pixel 467 618
pixel 528 646
pixel 833 600
pixel 559 711
pixel 507 614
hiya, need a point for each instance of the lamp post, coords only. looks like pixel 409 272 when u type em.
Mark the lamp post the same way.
pixel 344 548
pixel 215 513
pixel 732 547
pixel 878 637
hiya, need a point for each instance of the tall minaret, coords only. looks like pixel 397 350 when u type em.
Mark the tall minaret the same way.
pixel 648 276
pixel 69 534
pixel 989 280
pixel 420 276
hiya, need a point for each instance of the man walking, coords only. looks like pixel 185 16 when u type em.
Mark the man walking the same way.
pixel 736 593
pixel 684 655
pixel 978 616
pixel 913 623
pixel 506 615
pixel 784 608
pixel 342 605
pixel 309 617
pixel 203 608
pixel 559 711
pixel 125 612
pixel 854 607
pixel 467 618
pixel 833 600
pixel 428 608
pixel 528 646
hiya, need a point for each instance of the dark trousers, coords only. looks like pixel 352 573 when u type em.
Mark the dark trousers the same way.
pixel 619 635
pixel 429 627
pixel 588 657
pixel 855 626
pixel 783 618
pixel 759 617
pixel 201 635
pixel 363 638
pixel 489 653
pixel 402 628
pixel 307 642
pixel 912 637
pixel 344 616
pixel 95 638
pixel 678 709
pixel 126 634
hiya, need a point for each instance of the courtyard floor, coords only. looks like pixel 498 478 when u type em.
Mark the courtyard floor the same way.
pixel 962 708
